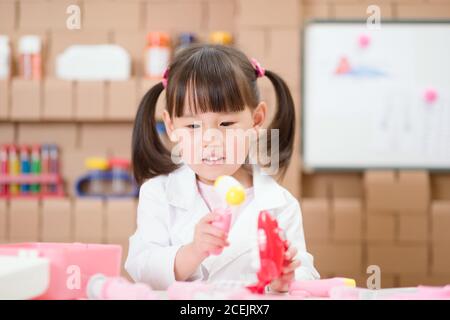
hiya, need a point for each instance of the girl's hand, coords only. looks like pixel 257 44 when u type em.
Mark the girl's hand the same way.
pixel 282 283
pixel 208 238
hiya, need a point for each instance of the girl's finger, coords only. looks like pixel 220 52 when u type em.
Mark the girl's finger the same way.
pixel 291 267
pixel 215 241
pixel 290 253
pixel 212 230
pixel 210 217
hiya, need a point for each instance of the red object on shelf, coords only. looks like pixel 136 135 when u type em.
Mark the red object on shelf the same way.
pixel 119 163
pixel 54 179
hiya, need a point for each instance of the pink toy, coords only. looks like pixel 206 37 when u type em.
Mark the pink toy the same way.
pixel 223 222
pixel 425 293
pixel 430 96
pixel 272 248
pixel 71 264
pixel 319 288
pixel 100 287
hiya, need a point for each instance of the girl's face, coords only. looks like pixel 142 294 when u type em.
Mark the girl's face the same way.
pixel 215 144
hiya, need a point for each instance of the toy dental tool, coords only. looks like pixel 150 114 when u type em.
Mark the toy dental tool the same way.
pixel 233 193
pixel 268 259
pixel 319 288
pixel 100 287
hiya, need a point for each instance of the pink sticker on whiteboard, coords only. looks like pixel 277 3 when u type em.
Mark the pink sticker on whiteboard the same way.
pixel 364 41
pixel 430 95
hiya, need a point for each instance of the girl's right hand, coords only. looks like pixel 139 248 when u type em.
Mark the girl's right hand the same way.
pixel 208 238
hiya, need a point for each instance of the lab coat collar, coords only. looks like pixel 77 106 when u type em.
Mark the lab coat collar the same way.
pixel 182 189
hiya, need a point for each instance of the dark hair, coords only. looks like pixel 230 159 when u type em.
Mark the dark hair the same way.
pixel 217 79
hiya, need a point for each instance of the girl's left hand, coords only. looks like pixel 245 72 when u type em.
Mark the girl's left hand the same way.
pixel 282 283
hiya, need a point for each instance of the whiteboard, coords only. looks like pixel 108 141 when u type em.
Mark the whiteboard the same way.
pixel 376 98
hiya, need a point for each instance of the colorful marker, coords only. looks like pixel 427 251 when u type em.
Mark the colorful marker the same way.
pixel 25 167
pixel 45 165
pixel 35 167
pixel 53 164
pixel 14 168
pixel 4 168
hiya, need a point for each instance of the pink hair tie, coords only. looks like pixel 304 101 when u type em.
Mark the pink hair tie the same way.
pixel 257 66
pixel 165 77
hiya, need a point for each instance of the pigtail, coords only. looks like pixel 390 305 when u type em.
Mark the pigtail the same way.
pixel 149 155
pixel 284 120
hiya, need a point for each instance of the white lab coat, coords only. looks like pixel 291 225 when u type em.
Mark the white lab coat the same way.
pixel 169 208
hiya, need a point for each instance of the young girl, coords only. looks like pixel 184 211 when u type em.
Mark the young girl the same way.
pixel 210 87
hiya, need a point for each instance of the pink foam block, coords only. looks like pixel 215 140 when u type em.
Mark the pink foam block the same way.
pixel 71 265
pixel 223 222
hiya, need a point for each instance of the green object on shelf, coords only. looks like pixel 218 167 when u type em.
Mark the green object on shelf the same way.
pixel 36 168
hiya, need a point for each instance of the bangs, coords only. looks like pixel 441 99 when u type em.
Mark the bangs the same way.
pixel 208 81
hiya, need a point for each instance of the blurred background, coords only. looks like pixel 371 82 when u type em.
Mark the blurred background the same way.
pixel 66 120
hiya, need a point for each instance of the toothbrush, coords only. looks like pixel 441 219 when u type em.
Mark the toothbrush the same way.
pixel 233 193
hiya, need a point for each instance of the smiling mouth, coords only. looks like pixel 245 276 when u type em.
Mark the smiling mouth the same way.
pixel 213 160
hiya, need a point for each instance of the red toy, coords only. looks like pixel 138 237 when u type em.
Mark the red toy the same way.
pixel 272 247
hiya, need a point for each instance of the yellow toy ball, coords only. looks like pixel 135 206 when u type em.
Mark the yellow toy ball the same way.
pixel 230 189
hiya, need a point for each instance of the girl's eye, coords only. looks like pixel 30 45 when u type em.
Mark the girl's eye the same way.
pixel 193 126
pixel 227 123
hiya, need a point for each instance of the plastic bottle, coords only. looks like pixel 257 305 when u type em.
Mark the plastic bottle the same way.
pixel 157 54
pixel 185 39
pixel 30 62
pixel 119 169
pixel 97 166
pixel 5 58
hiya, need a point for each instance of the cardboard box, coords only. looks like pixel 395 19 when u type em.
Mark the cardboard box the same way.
pixel 316 185
pixel 347 185
pixel 57 220
pixel 399 259
pixel 3 220
pixel 413 228
pixel 316 11
pixel 62 134
pixel 5 98
pixel 122 98
pixel 8 15
pixel 267 13
pixel 440 222
pixel 284 54
pixel 359 11
pixel 89 220
pixel 24 220
pixel 110 137
pixel 253 42
pixel 221 15
pixel 115 14
pixel 90 101
pixel 316 219
pixel 381 190
pixel 381 228
pixel 7 133
pixel 26 100
pixel 34 14
pixel 58 99
pixel 414 188
pixel 134 42
pixel 440 186
pixel 347 216
pixel 440 263
pixel 424 280
pixel 337 258
pixel 174 16
pixel 120 219
pixel 423 11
